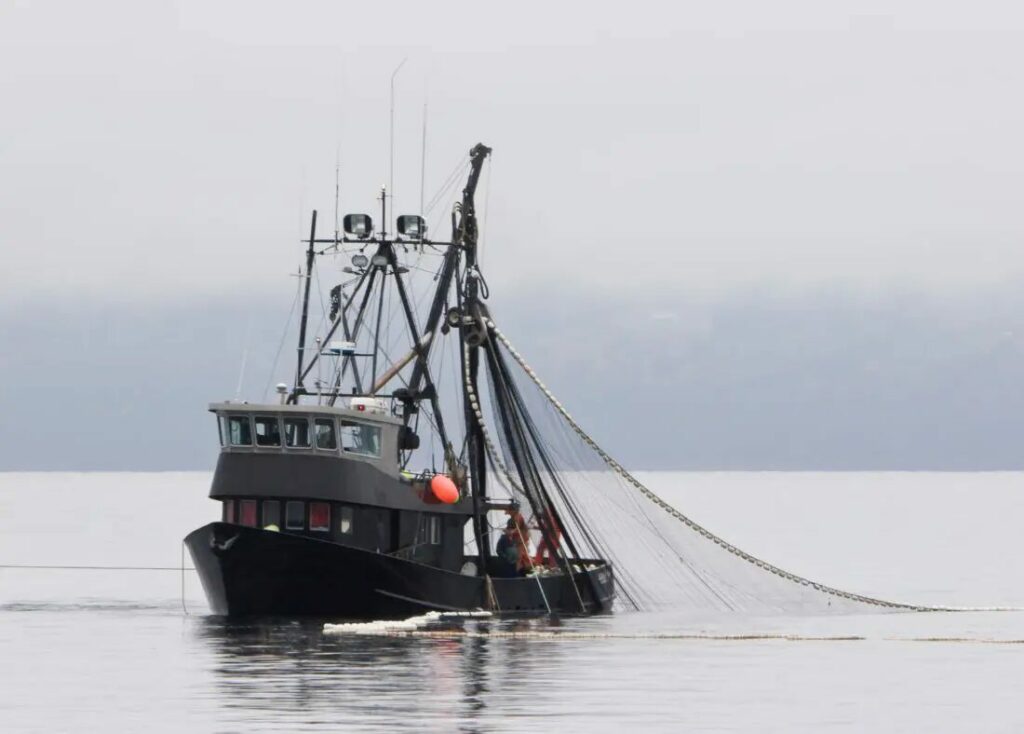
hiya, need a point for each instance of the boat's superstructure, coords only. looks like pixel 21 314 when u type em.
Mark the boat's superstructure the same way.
pixel 332 474
pixel 324 509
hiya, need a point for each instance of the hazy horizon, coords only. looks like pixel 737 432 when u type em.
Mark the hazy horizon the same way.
pixel 757 380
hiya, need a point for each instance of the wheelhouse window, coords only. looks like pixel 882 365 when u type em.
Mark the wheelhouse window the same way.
pixel 360 438
pixel 319 516
pixel 268 433
pixel 294 515
pixel 325 436
pixel 239 430
pixel 247 513
pixel 430 530
pixel 222 429
pixel 229 511
pixel 345 518
pixel 296 433
pixel 271 514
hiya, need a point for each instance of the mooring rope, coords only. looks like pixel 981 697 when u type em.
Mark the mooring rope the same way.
pixel 495 332
pixel 184 606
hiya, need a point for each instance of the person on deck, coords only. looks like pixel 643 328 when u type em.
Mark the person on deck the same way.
pixel 507 552
pixel 521 537
pixel 551 534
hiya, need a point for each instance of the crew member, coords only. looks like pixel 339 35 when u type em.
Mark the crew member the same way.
pixel 521 537
pixel 551 534
pixel 507 552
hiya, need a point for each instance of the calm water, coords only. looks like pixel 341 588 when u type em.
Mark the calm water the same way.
pixel 127 650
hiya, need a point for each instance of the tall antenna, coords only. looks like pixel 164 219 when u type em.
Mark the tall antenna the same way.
pixel 391 177
pixel 423 156
pixel 337 191
pixel 245 358
pixel 310 255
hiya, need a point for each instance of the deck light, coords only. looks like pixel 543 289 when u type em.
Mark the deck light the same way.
pixel 379 260
pixel 358 225
pixel 360 261
pixel 341 348
pixel 412 225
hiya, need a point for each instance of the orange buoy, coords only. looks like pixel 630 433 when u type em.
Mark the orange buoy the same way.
pixel 444 489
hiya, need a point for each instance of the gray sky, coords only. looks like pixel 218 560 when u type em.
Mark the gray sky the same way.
pixel 674 163
pixel 156 148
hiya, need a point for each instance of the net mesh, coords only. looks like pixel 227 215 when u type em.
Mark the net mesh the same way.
pixel 661 558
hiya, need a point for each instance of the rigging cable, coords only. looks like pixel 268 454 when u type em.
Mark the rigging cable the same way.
pixel 489 447
pixel 453 177
pixel 482 235
pixel 527 451
pixel 284 336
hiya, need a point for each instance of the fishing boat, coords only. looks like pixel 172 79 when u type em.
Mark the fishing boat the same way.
pixel 366 490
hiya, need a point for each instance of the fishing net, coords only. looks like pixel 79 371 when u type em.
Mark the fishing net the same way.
pixel 662 559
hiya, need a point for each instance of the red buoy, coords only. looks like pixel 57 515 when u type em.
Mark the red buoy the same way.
pixel 444 489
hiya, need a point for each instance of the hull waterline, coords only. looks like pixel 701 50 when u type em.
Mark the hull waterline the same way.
pixel 252 572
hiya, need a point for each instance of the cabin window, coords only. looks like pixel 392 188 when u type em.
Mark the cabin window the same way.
pixel 271 514
pixel 325 437
pixel 296 433
pixel 268 433
pixel 294 515
pixel 222 429
pixel 319 516
pixel 247 513
pixel 430 530
pixel 239 430
pixel 360 438
pixel 345 516
pixel 229 511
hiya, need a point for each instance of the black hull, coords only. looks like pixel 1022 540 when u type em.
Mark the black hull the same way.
pixel 251 572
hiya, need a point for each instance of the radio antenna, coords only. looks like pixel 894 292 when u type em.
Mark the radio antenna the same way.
pixel 391 177
pixel 337 191
pixel 423 156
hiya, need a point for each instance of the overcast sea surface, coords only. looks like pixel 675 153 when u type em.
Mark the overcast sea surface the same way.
pixel 136 650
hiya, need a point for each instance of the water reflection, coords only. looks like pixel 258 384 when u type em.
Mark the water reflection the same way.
pixel 290 673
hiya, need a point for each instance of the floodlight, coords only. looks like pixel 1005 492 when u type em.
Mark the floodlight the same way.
pixel 358 225
pixel 412 225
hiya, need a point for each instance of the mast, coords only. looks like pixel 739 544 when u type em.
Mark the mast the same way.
pixel 469 339
pixel 310 254
pixel 476 161
pixel 383 278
